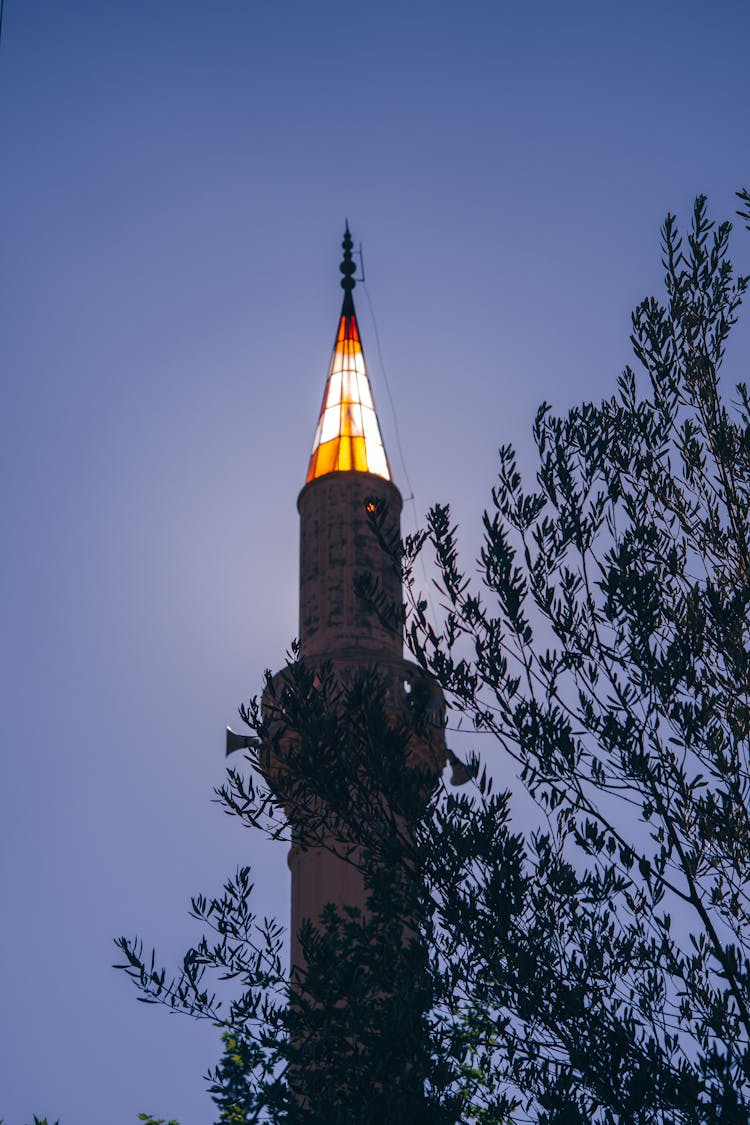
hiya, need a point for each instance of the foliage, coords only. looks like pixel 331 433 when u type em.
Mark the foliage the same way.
pixel 596 966
pixel 38 1121
pixel 352 1045
pixel 608 652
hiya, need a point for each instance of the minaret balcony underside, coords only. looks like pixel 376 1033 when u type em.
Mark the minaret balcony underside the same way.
pixel 411 700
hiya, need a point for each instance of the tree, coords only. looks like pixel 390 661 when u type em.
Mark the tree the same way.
pixel 351 1046
pixel 595 968
pixel 38 1121
pixel 609 653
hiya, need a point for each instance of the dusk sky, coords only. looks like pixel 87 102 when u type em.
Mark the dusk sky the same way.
pixel 174 182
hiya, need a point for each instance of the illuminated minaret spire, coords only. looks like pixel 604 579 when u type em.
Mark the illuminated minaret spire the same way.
pixel 348 434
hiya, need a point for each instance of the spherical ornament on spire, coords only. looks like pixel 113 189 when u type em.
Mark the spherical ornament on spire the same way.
pixel 347 267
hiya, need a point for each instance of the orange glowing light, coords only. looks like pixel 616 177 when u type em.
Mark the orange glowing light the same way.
pixel 348 433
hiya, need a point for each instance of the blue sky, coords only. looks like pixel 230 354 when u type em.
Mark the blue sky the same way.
pixel 175 179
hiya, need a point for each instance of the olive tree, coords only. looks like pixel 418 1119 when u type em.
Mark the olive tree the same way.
pixel 606 647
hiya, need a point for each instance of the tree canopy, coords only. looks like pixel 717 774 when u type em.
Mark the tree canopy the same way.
pixel 594 966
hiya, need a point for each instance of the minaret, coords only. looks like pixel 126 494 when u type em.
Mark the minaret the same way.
pixel 349 476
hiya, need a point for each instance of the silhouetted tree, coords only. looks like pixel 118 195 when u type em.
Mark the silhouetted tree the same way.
pixel 41 1121
pixel 353 1044
pixel 607 650
pixel 594 967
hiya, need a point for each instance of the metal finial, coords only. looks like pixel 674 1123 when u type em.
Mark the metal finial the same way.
pixel 347 267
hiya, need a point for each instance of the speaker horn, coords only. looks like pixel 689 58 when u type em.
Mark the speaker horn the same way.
pixel 461 771
pixel 239 741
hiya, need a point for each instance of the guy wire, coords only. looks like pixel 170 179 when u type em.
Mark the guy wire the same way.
pixel 410 498
pixel 390 397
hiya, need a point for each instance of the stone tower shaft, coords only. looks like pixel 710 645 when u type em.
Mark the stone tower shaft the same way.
pixel 338 547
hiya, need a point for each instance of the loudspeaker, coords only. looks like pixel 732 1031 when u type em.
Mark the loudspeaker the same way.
pixel 239 741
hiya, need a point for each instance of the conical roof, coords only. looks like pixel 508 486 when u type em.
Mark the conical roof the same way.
pixel 348 434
